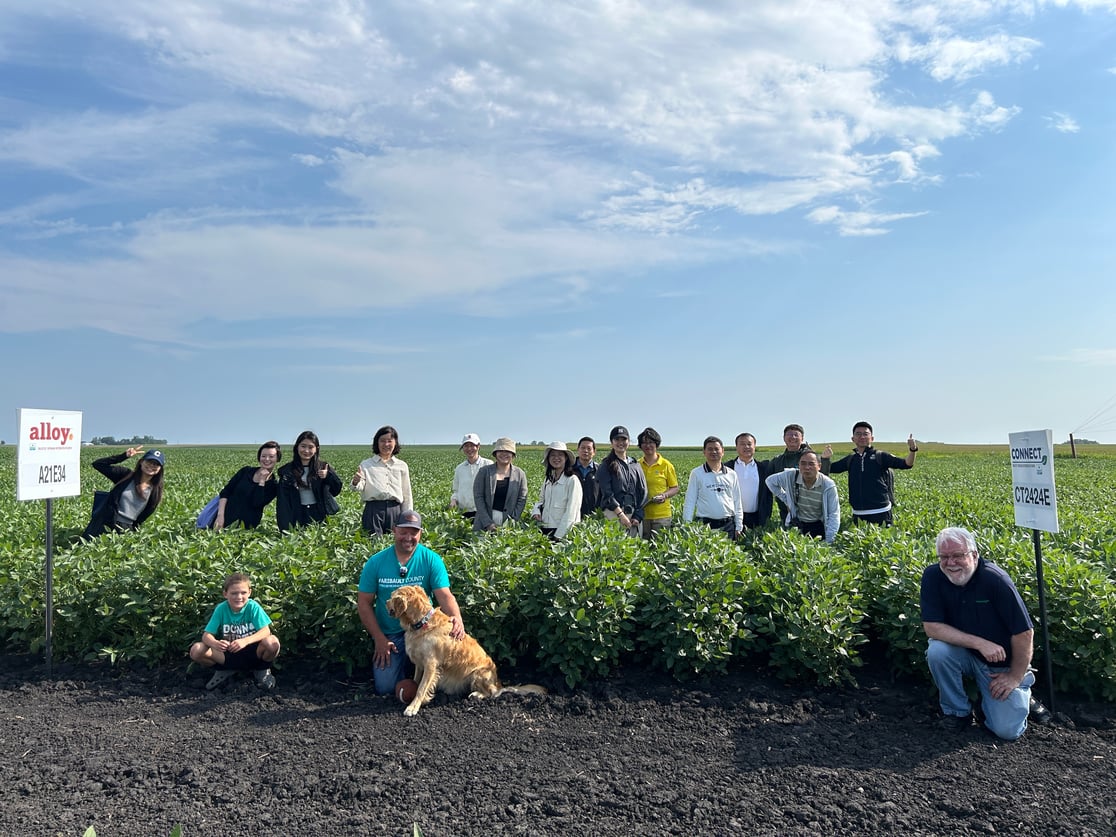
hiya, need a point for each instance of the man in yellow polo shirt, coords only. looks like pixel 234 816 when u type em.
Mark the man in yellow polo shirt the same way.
pixel 662 483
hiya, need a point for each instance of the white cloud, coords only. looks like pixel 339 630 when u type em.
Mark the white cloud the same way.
pixel 1089 357
pixel 435 228
pixel 724 88
pixel 1106 5
pixel 858 222
pixel 1063 123
pixel 454 149
pixel 74 142
pixel 660 208
pixel 580 335
pixel 309 160
pixel 326 55
pixel 957 58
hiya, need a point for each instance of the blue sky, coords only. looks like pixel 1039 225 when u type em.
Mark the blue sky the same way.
pixel 231 221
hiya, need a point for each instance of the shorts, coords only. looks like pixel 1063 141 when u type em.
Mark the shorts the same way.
pixel 246 659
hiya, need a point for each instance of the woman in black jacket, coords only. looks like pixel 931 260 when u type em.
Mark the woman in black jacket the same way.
pixel 249 491
pixel 134 497
pixel 623 486
pixel 304 484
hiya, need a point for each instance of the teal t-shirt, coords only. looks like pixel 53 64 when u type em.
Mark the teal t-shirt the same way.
pixel 380 578
pixel 224 624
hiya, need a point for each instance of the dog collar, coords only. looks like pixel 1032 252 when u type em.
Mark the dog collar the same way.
pixel 419 625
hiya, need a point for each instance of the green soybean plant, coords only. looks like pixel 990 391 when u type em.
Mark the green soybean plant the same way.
pixel 582 603
pixel 692 609
pixel 811 609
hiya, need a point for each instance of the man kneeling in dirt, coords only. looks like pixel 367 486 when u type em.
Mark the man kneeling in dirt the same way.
pixel 978 627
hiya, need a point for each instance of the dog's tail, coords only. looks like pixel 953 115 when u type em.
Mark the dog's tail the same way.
pixel 526 689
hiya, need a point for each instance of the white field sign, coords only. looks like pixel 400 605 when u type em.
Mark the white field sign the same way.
pixel 49 454
pixel 1032 480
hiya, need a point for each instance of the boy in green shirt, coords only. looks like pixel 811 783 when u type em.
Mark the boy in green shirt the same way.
pixel 238 637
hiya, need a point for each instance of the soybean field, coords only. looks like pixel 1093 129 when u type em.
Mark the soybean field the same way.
pixel 691 604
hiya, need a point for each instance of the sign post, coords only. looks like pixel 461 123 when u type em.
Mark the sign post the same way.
pixel 49 466
pixel 1036 507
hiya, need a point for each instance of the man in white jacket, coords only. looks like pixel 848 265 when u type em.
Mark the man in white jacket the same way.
pixel 464 474
pixel 810 497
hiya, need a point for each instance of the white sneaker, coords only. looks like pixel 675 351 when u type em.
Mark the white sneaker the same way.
pixel 218 678
pixel 264 678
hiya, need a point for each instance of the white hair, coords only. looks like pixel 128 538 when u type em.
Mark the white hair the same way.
pixel 955 534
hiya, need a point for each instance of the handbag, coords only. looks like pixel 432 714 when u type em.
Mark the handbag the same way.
pixel 209 513
pixel 329 503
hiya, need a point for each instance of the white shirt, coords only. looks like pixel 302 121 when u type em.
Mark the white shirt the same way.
pixel 714 494
pixel 463 477
pixel 747 474
pixel 380 480
pixel 559 504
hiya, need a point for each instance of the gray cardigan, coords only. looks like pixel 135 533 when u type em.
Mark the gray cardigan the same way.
pixel 782 487
pixel 484 489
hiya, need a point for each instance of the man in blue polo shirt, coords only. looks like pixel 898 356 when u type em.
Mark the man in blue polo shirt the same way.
pixel 978 627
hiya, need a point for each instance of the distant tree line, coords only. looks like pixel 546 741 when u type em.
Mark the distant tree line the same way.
pixel 1081 442
pixel 130 442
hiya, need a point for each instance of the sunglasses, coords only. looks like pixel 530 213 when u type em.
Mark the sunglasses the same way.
pixel 403 571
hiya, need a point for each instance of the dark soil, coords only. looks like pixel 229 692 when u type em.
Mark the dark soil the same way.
pixel 135 753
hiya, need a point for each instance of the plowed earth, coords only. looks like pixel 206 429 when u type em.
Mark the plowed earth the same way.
pixel 138 752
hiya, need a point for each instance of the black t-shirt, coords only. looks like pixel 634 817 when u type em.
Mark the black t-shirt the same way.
pixel 988 606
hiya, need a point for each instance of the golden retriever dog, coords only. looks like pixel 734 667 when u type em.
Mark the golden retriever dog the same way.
pixel 441 661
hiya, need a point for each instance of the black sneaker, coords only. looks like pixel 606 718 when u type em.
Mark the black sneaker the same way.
pixel 1040 714
pixel 955 723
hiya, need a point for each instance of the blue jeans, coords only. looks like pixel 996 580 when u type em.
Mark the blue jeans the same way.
pixel 398 667
pixel 950 664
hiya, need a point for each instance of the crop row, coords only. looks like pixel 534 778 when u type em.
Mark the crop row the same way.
pixel 692 603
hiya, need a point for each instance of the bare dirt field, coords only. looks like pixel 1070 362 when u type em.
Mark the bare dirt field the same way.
pixel 137 752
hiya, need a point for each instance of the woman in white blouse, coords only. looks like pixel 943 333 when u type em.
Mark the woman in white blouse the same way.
pixel 384 483
pixel 559 505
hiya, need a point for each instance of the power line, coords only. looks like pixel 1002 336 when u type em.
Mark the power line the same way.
pixel 1100 420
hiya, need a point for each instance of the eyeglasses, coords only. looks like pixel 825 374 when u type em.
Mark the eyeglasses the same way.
pixel 403 571
pixel 953 556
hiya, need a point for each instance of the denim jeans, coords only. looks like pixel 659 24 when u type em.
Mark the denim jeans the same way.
pixel 399 667
pixel 950 664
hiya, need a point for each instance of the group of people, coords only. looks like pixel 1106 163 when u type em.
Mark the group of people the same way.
pixel 634 493
pixel 731 496
pixel 975 620
pixel 304 490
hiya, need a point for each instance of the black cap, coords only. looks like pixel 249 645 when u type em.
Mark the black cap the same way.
pixel 409 520
pixel 618 431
